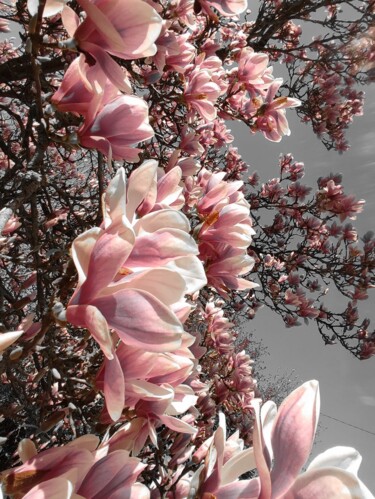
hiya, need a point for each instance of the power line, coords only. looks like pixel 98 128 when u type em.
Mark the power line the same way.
pixel 347 424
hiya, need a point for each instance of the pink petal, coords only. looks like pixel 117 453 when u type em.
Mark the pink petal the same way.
pixel 141 320
pixel 56 488
pixel 90 317
pixel 327 483
pixel 177 425
pixel 106 259
pixel 114 471
pixel 160 247
pixel 70 20
pixel 293 435
pixel 7 339
pixel 81 251
pixel 103 25
pixel 261 454
pixel 114 388
pixel 109 66
pixel 141 181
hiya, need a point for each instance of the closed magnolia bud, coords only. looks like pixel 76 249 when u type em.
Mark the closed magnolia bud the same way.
pixel 26 449
pixel 16 353
pixel 55 373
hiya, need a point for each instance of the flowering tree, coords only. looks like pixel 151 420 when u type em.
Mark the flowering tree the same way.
pixel 129 254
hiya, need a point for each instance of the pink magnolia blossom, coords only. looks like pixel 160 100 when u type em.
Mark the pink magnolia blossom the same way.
pixel 114 127
pixel 12 225
pixel 225 232
pixel 133 275
pixel 271 120
pixel 4 26
pixel 174 51
pixel 201 93
pixel 75 470
pixel 126 29
pixel 154 388
pixel 80 86
pixel 251 68
pixel 282 442
pixel 228 8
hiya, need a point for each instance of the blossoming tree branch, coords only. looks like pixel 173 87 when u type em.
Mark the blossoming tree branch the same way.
pixel 135 240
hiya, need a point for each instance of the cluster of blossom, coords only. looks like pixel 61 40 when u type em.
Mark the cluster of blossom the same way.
pixel 325 71
pixel 292 274
pixel 282 442
pixel 225 373
pixel 332 104
pixel 141 351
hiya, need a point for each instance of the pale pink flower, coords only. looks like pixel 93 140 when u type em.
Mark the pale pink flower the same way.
pixel 75 470
pixel 116 127
pixel 154 388
pixel 251 68
pixel 126 29
pixel 174 51
pixel 81 84
pixel 12 225
pixel 224 265
pixel 271 119
pixel 228 8
pixel 133 275
pixel 282 443
pixel 201 93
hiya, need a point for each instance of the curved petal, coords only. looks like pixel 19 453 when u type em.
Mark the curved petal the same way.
pixel 56 488
pixel 237 465
pixel 328 483
pixel 90 317
pixel 81 251
pixel 114 388
pixel 7 339
pixel 346 458
pixel 141 320
pixel 106 258
pixel 139 184
pixel 293 435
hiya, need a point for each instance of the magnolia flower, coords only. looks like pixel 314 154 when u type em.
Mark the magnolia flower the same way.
pixel 133 275
pixel 282 443
pixel 271 120
pixel 228 8
pixel 116 127
pixel 76 470
pixel 201 93
pixel 82 83
pixel 126 29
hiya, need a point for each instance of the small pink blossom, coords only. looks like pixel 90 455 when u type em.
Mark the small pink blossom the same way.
pixel 228 8
pixel 201 93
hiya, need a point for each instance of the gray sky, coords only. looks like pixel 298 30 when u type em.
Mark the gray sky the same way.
pixel 347 385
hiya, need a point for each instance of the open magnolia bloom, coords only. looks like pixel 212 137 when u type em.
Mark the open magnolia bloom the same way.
pixel 133 277
pixel 74 471
pixel 282 443
pixel 126 29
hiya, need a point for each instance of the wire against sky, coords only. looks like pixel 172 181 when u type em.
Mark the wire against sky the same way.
pixel 348 424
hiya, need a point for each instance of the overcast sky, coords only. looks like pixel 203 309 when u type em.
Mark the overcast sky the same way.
pixel 347 385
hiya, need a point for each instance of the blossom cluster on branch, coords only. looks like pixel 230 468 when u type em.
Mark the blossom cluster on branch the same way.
pixel 130 257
